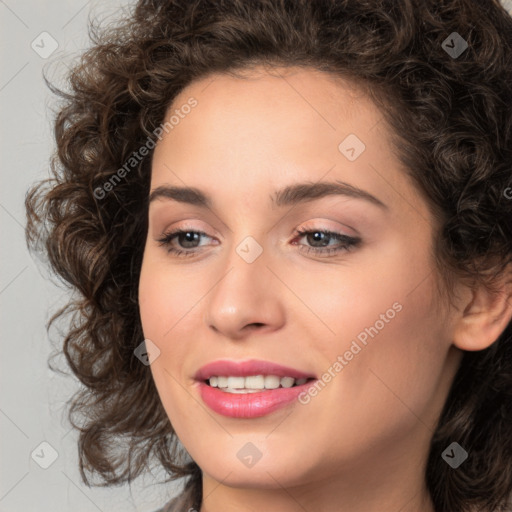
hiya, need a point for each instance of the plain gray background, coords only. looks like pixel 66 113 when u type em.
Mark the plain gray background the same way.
pixel 33 397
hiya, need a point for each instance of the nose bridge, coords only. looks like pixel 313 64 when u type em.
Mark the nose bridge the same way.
pixel 245 293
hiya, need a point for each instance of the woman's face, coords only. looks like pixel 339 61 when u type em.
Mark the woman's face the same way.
pixel 355 315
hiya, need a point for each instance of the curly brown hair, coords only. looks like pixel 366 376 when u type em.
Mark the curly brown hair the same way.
pixel 452 125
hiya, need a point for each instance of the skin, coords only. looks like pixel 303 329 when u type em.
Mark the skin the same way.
pixel 362 442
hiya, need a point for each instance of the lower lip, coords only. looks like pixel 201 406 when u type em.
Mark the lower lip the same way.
pixel 249 405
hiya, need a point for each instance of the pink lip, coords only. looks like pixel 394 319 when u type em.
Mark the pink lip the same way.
pixel 250 405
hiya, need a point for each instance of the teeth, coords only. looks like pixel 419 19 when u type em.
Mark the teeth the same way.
pixel 236 382
pixel 287 382
pixel 272 382
pixel 253 383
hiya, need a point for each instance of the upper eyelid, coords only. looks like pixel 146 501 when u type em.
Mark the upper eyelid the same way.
pixel 316 227
pixel 307 205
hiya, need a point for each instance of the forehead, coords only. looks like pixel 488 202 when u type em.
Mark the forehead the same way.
pixel 279 108
pixel 307 101
pixel 275 128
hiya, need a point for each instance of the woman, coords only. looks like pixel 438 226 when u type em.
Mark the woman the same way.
pixel 290 225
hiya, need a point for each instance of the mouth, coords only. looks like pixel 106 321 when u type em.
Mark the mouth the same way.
pixel 250 389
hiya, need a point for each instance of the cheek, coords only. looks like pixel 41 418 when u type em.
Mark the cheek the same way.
pixel 158 309
pixel 388 295
pixel 168 310
pixel 390 337
pixel 393 383
pixel 164 298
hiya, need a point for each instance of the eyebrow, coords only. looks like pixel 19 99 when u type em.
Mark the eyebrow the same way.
pixel 289 195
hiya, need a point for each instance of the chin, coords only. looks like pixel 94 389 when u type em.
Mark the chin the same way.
pixel 269 476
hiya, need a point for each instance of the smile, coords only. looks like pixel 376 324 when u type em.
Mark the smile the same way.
pixel 250 389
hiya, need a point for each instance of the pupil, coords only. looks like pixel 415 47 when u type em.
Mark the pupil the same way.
pixel 189 237
pixel 319 238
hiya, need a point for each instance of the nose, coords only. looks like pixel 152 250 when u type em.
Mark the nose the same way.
pixel 247 297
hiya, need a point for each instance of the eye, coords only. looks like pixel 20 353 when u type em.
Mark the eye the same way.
pixel 189 239
pixel 320 241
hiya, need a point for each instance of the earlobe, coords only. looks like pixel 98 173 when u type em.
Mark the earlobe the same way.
pixel 484 317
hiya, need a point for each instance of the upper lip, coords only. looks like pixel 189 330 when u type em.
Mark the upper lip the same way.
pixel 224 367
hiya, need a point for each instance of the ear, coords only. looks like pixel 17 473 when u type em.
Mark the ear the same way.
pixel 485 316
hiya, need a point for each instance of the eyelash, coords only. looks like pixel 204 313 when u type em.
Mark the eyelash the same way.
pixel 348 242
